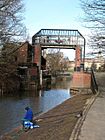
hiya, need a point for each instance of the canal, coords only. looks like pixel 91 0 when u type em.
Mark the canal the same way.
pixel 12 108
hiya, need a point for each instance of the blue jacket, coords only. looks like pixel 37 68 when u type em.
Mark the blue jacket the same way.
pixel 29 115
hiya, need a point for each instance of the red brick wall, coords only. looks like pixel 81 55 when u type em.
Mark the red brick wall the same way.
pixel 33 71
pixel 37 55
pixel 81 80
pixel 78 56
pixel 22 54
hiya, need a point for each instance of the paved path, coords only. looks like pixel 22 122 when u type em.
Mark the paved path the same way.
pixel 93 127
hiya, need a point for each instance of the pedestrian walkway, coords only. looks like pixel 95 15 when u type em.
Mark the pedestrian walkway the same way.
pixel 93 127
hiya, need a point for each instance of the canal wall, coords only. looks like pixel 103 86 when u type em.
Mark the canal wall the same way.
pixel 81 80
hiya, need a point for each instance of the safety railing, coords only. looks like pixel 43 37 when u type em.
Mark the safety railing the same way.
pixel 94 86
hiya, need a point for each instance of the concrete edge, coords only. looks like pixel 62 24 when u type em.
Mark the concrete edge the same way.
pixel 76 131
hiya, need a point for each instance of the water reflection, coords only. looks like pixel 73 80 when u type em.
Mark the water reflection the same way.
pixel 52 98
pixel 12 108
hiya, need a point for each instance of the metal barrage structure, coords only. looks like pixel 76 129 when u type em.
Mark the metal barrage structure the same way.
pixel 58 38
pixel 62 39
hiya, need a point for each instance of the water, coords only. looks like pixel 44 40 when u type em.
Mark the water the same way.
pixel 12 108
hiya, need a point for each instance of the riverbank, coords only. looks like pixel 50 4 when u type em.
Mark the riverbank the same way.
pixel 57 123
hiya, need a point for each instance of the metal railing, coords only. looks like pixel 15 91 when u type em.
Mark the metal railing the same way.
pixel 94 86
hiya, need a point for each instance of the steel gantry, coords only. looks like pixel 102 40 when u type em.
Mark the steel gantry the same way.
pixel 62 39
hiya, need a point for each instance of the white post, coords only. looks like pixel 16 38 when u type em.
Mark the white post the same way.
pixel 40 77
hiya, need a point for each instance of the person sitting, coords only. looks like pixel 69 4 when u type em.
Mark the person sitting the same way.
pixel 29 114
pixel 28 121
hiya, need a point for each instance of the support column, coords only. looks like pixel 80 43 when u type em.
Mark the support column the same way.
pixel 78 58
pixel 37 60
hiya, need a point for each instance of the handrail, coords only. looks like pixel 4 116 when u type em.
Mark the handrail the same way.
pixel 94 86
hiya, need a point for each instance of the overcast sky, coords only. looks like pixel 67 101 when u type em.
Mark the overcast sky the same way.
pixel 54 14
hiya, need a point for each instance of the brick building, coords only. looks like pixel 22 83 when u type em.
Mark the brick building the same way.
pixel 97 62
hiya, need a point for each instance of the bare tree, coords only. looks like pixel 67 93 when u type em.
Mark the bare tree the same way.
pixel 11 30
pixel 9 80
pixel 11 26
pixel 94 13
pixel 55 61
pixel 94 19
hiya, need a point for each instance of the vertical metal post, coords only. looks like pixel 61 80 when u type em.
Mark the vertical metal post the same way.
pixel 40 77
pixel 84 54
pixel 40 71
